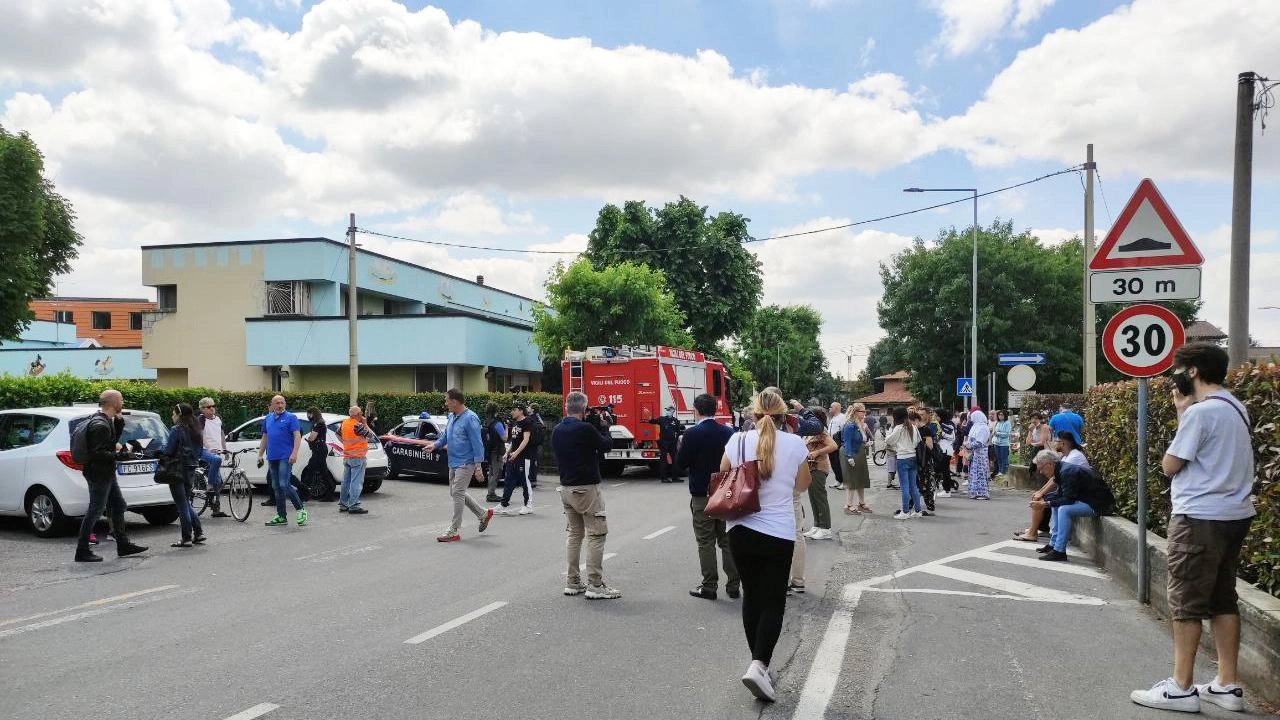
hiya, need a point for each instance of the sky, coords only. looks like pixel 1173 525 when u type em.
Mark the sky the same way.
pixel 508 124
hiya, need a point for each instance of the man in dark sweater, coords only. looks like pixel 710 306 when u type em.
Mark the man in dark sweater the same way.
pixel 577 442
pixel 700 454
pixel 102 438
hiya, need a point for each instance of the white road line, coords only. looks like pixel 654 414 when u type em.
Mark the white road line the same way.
pixel 90 613
pixel 656 533
pixel 1040 564
pixel 1013 587
pixel 617 484
pixel 606 556
pixel 254 712
pixel 964 593
pixel 824 673
pixel 456 622
pixel 90 604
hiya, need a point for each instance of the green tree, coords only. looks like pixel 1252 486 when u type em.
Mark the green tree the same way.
pixel 780 345
pixel 38 239
pixel 1029 299
pixel 624 304
pixel 716 282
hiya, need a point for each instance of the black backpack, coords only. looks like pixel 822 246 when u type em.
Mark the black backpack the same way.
pixel 538 431
pixel 80 441
pixel 490 436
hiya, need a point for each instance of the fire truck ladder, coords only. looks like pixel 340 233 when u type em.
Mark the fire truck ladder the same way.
pixel 575 373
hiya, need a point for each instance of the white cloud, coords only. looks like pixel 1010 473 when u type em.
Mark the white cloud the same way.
pixel 1152 84
pixel 470 213
pixel 969 25
pixel 864 56
pixel 838 274
pixel 1055 236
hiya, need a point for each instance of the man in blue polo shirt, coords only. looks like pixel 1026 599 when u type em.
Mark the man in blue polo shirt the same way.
pixel 281 438
pixel 466 454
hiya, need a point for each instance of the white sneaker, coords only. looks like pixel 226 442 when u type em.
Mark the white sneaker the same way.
pixel 526 510
pixel 602 592
pixel 824 534
pixel 757 681
pixel 915 513
pixel 811 533
pixel 504 511
pixel 902 515
pixel 1166 695
pixel 944 493
pixel 572 590
pixel 1230 697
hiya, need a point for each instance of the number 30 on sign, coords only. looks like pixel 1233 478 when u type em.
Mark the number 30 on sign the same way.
pixel 1140 340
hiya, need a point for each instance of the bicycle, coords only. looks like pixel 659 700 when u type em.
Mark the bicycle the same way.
pixel 879 457
pixel 238 489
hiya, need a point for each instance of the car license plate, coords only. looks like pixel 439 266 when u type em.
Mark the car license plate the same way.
pixel 136 468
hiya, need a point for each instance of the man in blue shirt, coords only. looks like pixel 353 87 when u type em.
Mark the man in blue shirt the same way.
pixel 281 438
pixel 466 457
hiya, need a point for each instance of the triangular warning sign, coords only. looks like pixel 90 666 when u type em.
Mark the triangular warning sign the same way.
pixel 1146 235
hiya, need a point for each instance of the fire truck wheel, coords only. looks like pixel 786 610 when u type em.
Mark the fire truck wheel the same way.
pixel 612 468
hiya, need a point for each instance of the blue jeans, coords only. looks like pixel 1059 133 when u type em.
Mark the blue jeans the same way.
pixel 187 518
pixel 280 475
pixel 908 481
pixel 1062 517
pixel 1002 459
pixel 352 482
pixel 214 461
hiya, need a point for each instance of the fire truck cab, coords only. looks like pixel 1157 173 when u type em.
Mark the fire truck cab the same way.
pixel 639 383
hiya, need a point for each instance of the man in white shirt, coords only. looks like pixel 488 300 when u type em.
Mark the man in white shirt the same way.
pixel 835 424
pixel 1210 466
pixel 214 445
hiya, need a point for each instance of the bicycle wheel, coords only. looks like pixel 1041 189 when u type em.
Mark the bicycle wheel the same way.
pixel 879 457
pixel 199 492
pixel 239 495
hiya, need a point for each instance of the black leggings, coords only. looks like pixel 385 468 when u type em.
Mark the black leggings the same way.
pixel 764 562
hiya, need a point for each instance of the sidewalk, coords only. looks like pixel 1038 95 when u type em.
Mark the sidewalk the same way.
pixel 949 617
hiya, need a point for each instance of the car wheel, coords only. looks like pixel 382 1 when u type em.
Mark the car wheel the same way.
pixel 371 485
pixel 316 486
pixel 393 471
pixel 162 515
pixel 45 514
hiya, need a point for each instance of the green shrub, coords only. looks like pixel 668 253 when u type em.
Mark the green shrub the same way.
pixel 236 407
pixel 1046 405
pixel 1111 427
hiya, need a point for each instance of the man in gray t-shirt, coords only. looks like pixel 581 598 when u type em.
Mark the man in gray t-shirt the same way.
pixel 1210 467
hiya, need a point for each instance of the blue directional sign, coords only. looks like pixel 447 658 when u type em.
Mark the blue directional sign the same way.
pixel 964 387
pixel 1024 358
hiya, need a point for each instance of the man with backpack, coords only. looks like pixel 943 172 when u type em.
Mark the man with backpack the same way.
pixel 494 436
pixel 537 433
pixel 95 444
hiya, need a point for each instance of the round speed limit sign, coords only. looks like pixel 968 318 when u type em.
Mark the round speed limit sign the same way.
pixel 1139 341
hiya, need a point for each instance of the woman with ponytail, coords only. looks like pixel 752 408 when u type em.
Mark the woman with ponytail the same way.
pixel 762 542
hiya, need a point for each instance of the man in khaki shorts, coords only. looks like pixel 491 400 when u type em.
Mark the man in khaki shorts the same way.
pixel 578 444
pixel 1210 463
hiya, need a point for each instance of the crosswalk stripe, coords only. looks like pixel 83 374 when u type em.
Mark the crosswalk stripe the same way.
pixel 1061 567
pixel 1015 587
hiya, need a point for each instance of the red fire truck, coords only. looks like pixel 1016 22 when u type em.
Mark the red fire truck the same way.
pixel 639 383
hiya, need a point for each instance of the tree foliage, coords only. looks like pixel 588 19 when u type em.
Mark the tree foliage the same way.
pixel 38 239
pixel 1029 300
pixel 623 304
pixel 716 282
pixel 780 346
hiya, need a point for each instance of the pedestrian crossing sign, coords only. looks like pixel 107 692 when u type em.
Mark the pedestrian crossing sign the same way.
pixel 964 387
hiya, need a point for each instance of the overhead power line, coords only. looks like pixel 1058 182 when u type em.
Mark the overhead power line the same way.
pixel 637 251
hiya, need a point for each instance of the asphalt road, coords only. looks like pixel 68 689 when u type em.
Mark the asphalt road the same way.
pixel 313 622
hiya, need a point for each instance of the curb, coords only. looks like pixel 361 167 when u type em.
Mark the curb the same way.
pixel 1113 544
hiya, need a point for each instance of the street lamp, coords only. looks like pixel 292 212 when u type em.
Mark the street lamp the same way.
pixel 973 359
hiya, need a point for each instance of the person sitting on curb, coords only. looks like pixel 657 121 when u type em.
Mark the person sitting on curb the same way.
pixel 1081 493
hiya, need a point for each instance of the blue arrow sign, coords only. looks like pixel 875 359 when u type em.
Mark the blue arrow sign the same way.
pixel 964 387
pixel 1026 358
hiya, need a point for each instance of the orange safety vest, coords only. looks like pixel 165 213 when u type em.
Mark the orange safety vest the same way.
pixel 354 445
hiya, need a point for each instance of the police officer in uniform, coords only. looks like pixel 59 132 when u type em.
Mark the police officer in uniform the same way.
pixel 669 432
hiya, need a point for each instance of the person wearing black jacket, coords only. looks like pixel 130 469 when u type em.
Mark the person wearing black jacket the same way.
pixel 669 432
pixel 183 444
pixel 1081 493
pixel 577 445
pixel 102 437
pixel 700 454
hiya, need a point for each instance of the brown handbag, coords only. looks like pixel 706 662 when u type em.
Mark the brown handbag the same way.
pixel 735 493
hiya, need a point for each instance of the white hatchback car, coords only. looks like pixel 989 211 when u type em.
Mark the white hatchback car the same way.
pixel 249 435
pixel 39 480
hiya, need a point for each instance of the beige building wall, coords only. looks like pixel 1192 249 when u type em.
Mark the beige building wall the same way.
pixel 473 379
pixel 218 287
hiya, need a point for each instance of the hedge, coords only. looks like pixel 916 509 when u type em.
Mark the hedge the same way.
pixel 1111 427
pixel 1046 405
pixel 236 407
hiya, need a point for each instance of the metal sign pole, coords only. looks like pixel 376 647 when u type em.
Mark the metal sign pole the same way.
pixel 1144 572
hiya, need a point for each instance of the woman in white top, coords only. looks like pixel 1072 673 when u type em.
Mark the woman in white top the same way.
pixel 762 542
pixel 902 442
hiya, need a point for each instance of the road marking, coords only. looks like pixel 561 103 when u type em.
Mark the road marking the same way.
pixel 1040 565
pixel 617 484
pixel 91 613
pixel 256 711
pixel 456 622
pixel 90 604
pixel 606 556
pixel 1013 587
pixel 656 533
pixel 824 673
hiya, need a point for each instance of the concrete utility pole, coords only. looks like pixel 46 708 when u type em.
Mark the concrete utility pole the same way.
pixel 353 361
pixel 1090 323
pixel 1241 209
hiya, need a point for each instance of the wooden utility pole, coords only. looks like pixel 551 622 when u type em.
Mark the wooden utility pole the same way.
pixel 353 357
